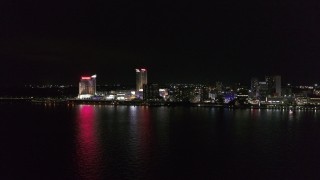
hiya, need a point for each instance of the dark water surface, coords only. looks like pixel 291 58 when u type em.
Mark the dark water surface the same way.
pixel 127 142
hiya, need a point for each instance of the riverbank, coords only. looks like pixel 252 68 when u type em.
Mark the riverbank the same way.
pixel 154 104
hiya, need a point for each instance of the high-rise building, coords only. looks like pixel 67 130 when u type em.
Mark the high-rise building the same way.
pixel 263 90
pixel 87 87
pixel 181 93
pixel 274 85
pixel 151 92
pixel 270 86
pixel 254 87
pixel 204 94
pixel 278 85
pixel 141 79
pixel 219 87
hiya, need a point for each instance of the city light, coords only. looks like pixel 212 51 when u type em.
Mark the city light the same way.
pixel 85 78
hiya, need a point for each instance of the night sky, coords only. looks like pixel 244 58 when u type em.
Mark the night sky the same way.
pixel 177 41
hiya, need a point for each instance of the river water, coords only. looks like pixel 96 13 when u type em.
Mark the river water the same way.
pixel 134 142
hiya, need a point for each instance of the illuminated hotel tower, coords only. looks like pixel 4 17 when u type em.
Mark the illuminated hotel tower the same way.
pixel 141 79
pixel 87 87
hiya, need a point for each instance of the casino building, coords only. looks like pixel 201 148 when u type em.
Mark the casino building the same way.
pixel 87 87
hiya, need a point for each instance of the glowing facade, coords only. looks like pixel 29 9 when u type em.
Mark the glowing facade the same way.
pixel 87 87
pixel 141 79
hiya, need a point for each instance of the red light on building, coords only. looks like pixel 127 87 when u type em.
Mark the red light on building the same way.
pixel 143 70
pixel 86 78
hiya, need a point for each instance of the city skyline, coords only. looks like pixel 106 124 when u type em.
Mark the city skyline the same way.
pixel 270 93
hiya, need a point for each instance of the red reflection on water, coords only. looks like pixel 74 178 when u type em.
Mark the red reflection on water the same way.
pixel 88 151
pixel 145 131
pixel 255 114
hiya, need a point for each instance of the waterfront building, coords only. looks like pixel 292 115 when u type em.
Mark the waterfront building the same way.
pixel 274 86
pixel 254 87
pixel 87 87
pixel 182 92
pixel 275 100
pixel 204 94
pixel 219 87
pixel 141 79
pixel 263 91
pixel 120 95
pixel 151 92
pixel 164 93
pixel 314 100
pixel 287 91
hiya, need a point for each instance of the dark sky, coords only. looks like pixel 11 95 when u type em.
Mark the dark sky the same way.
pixel 177 41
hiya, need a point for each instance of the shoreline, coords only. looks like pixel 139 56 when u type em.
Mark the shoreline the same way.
pixel 155 104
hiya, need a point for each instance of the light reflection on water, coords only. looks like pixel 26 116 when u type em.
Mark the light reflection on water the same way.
pixel 88 147
pixel 128 142
pixel 156 143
